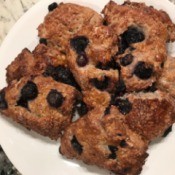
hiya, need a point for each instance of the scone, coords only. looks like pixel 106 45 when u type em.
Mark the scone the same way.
pixel 43 60
pixel 90 58
pixel 143 33
pixel 105 141
pixel 63 21
pixel 40 104
pixel 148 114
pixel 35 62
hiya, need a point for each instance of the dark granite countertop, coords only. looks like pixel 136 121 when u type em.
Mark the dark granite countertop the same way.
pixel 6 167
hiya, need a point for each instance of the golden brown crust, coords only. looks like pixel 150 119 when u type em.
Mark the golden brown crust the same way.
pixel 151 114
pixel 95 98
pixel 34 63
pixel 102 46
pixel 40 116
pixel 158 15
pixel 58 27
pixel 128 153
pixel 151 50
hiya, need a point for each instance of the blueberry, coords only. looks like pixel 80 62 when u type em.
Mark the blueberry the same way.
pixel 3 103
pixel 114 65
pixel 152 88
pixel 43 41
pixel 109 65
pixel 81 108
pixel 123 143
pixel 113 150
pixel 102 66
pixel 101 85
pixel 107 110
pixel 79 43
pixel 29 91
pixel 123 105
pixel 76 145
pixel 55 98
pixel 52 6
pixel 105 23
pixel 82 59
pixel 167 131
pixel 126 60
pixel 143 71
pixel 133 35
pixel 22 102
pixel 61 74
pixel 120 88
pixel 122 46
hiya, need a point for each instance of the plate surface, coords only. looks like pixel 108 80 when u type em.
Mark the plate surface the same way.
pixel 33 154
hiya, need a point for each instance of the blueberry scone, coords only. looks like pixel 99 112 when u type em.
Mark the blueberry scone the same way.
pixel 90 58
pixel 143 33
pixel 40 104
pixel 43 60
pixel 35 62
pixel 106 141
pixel 58 27
pixel 149 114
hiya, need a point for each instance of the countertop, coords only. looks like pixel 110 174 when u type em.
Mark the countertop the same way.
pixel 10 12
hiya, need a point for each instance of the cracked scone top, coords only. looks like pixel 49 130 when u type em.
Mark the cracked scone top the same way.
pixel 40 104
pixel 106 141
pixel 143 33
pixel 64 21
pixel 89 49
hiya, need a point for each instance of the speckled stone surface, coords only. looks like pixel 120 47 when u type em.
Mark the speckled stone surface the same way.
pixel 10 12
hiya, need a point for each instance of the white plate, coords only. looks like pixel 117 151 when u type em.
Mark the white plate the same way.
pixel 33 154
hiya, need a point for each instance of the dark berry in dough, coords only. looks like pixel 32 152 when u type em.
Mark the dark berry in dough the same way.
pixel 133 35
pixel 43 41
pixel 120 88
pixel 151 88
pixel 81 108
pixel 82 59
pixel 61 74
pixel 52 6
pixel 23 103
pixel 123 144
pixel 123 105
pixel 79 43
pixel 113 150
pixel 143 71
pixel 122 46
pixel 76 145
pixel 3 103
pixel 126 60
pixel 29 91
pixel 100 84
pixel 55 98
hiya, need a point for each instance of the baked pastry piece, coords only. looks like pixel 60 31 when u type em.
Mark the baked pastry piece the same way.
pixel 158 15
pixel 40 104
pixel 167 80
pixel 148 114
pixel 106 141
pixel 43 60
pixel 58 27
pixel 27 62
pixel 143 33
pixel 90 58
